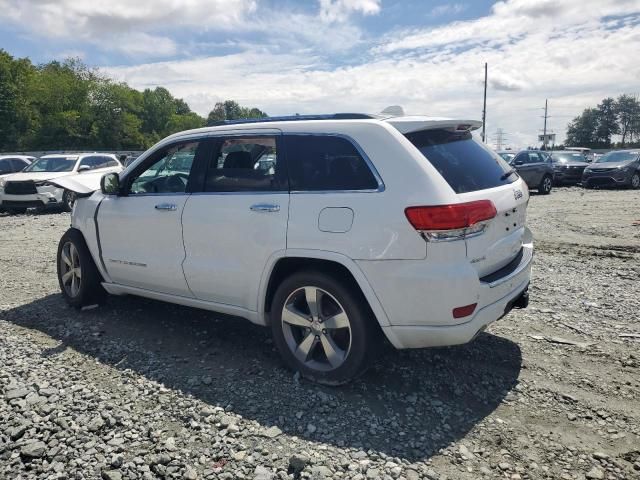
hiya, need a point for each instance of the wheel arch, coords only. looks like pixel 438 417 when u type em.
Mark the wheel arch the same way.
pixel 286 263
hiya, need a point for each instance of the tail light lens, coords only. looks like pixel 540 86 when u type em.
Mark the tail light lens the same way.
pixel 451 222
pixel 461 312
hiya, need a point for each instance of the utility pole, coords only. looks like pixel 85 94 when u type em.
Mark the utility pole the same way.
pixel 484 104
pixel 544 132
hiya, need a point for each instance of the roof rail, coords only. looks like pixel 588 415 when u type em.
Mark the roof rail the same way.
pixel 289 118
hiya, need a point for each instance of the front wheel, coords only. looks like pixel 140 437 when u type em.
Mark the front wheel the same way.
pixel 322 328
pixel 545 185
pixel 78 277
pixel 68 200
pixel 635 180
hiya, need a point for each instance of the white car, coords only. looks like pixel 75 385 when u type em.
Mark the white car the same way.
pixel 30 188
pixel 328 229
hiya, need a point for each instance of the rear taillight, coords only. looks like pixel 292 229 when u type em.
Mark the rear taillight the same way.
pixel 461 312
pixel 451 222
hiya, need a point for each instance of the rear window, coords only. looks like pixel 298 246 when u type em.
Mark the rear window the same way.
pixel 465 163
pixel 321 163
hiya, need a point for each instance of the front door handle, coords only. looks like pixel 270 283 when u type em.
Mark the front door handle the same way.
pixel 171 207
pixel 265 207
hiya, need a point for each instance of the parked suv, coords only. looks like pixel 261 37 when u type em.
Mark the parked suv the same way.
pixel 329 229
pixel 536 169
pixel 30 188
pixel 617 168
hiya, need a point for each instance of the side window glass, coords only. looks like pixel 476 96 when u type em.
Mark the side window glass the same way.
pixel 18 164
pixel 5 166
pixel 98 161
pixel 245 164
pixel 533 158
pixel 168 173
pixel 324 162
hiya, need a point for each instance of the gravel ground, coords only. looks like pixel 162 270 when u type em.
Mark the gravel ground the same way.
pixel 141 389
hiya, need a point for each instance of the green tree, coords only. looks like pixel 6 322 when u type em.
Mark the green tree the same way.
pixel 628 113
pixel 581 132
pixel 607 122
pixel 231 110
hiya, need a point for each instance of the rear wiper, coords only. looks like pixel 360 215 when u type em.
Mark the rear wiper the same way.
pixel 507 174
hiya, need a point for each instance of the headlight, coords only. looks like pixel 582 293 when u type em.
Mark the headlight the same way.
pixel 2 182
pixel 625 168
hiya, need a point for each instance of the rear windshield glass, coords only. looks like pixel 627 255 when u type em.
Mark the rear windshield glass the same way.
pixel 465 163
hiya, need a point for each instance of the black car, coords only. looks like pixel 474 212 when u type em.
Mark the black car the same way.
pixel 618 168
pixel 568 167
pixel 536 169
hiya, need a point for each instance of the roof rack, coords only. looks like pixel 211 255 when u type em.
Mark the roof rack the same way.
pixel 289 118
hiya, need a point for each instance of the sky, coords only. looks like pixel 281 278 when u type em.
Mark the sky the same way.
pixel 323 56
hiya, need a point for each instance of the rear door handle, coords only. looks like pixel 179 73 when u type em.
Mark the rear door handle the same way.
pixel 171 207
pixel 265 207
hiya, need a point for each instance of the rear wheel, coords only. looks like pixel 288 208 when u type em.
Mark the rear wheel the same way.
pixel 322 328
pixel 635 180
pixel 545 185
pixel 78 277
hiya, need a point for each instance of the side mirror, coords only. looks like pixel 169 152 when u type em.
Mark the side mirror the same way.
pixel 110 184
pixel 83 168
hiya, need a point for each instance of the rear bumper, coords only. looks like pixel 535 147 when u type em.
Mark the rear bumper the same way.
pixel 420 309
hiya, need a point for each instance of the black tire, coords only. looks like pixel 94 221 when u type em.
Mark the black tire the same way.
pixel 546 184
pixel 362 330
pixel 635 181
pixel 68 199
pixel 88 290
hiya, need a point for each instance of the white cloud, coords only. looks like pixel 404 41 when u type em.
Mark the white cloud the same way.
pixel 448 9
pixel 575 63
pixel 134 27
pixel 339 10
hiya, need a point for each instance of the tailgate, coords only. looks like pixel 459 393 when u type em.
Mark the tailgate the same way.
pixel 503 238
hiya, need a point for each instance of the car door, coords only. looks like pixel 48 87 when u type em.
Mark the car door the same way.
pixel 522 165
pixel 238 219
pixel 140 230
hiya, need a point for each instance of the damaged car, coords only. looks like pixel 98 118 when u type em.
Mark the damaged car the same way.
pixel 30 188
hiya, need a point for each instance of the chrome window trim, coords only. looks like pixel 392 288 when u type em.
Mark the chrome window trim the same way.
pixel 367 160
pixel 246 192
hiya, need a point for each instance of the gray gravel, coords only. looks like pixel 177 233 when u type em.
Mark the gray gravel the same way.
pixel 141 389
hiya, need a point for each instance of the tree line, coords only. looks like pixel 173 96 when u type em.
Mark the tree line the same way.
pixel 67 105
pixel 596 126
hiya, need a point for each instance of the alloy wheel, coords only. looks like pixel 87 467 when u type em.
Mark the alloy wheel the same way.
pixel 71 274
pixel 635 181
pixel 316 328
pixel 547 184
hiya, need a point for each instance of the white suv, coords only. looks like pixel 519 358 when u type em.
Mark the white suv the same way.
pixel 329 229
pixel 30 188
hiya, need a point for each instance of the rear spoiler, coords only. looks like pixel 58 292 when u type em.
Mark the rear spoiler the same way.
pixel 410 124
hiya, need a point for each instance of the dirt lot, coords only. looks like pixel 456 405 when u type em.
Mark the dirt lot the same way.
pixel 141 389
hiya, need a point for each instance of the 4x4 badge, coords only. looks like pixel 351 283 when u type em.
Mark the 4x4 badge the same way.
pixel 517 194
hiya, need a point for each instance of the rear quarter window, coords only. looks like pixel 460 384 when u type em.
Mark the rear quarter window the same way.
pixel 326 162
pixel 466 164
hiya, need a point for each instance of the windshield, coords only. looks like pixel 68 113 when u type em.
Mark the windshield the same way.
pixel 52 164
pixel 507 156
pixel 465 163
pixel 567 157
pixel 615 157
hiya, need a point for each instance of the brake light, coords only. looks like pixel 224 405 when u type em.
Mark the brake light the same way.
pixel 451 222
